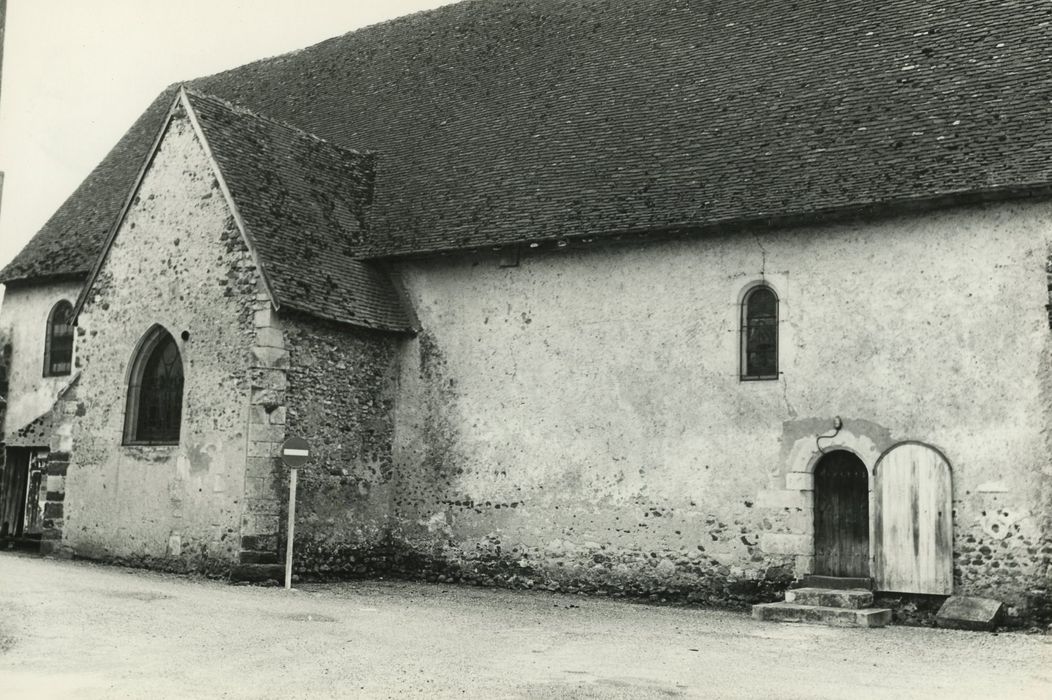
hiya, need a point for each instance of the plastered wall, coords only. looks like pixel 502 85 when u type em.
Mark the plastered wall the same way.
pixel 178 261
pixel 23 322
pixel 577 421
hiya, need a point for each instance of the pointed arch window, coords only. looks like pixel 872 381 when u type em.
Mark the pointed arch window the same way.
pixel 155 392
pixel 58 343
pixel 759 331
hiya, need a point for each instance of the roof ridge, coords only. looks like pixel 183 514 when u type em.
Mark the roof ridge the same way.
pixel 417 16
pixel 241 109
pixel 670 112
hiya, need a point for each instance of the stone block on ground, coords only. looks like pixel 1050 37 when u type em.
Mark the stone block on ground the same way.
pixel 970 613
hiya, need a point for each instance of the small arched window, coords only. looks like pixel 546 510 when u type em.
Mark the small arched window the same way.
pixel 155 392
pixel 58 343
pixel 759 329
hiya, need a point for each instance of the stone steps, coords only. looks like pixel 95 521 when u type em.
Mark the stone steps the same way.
pixel 827 600
pixel 830 598
pixel 823 615
pixel 838 582
pixel 249 556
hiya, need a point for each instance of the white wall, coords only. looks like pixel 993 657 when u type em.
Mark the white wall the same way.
pixel 23 318
pixel 597 391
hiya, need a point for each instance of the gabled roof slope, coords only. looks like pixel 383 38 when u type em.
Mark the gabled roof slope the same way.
pixel 72 238
pixel 505 120
pixel 303 203
pixel 498 121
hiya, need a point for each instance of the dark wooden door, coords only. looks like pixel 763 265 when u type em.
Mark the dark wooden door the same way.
pixel 841 516
pixel 13 483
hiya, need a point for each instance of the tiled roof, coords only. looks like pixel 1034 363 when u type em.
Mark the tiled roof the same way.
pixel 496 121
pixel 71 239
pixel 303 202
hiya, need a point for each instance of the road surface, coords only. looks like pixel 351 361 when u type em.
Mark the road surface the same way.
pixel 74 629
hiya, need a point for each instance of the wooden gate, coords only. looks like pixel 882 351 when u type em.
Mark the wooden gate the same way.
pixel 23 492
pixel 841 516
pixel 36 493
pixel 913 525
pixel 13 488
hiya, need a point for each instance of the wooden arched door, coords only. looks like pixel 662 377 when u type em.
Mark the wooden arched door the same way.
pixel 841 516
pixel 913 525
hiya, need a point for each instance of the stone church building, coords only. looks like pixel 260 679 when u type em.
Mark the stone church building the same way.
pixel 646 297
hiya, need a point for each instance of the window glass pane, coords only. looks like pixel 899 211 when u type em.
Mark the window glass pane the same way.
pixel 760 334
pixel 762 304
pixel 60 340
pixel 161 395
pixel 761 343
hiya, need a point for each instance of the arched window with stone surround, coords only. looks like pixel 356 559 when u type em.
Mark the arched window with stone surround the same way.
pixel 58 343
pixel 759 334
pixel 155 391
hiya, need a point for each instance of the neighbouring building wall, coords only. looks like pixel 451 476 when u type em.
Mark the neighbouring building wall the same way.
pixel 340 398
pixel 5 354
pixel 578 421
pixel 5 373
pixel 178 261
pixel 23 321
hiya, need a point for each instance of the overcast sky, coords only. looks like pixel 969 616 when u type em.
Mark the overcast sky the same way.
pixel 76 74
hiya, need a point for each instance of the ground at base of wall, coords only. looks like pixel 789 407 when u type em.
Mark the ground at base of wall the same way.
pixel 20 544
pixel 907 611
pixel 394 560
pixel 917 610
pixel 196 568
pixel 913 610
pixel 380 564
pixel 708 586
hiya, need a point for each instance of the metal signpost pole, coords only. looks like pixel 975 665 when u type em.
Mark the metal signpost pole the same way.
pixel 294 453
pixel 291 529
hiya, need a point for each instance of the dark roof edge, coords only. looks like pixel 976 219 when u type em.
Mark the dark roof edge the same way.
pixel 359 325
pixel 819 217
pixel 42 280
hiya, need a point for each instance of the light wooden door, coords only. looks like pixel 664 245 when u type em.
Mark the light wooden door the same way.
pixel 913 522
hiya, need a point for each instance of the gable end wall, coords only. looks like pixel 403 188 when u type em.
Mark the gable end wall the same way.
pixel 178 260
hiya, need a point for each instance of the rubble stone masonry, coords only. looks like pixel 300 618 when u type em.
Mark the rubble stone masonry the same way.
pixel 179 261
pixel 341 383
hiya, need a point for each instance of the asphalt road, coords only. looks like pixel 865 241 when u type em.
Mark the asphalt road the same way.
pixel 78 630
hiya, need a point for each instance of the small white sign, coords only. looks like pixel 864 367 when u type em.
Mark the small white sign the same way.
pixel 295 452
